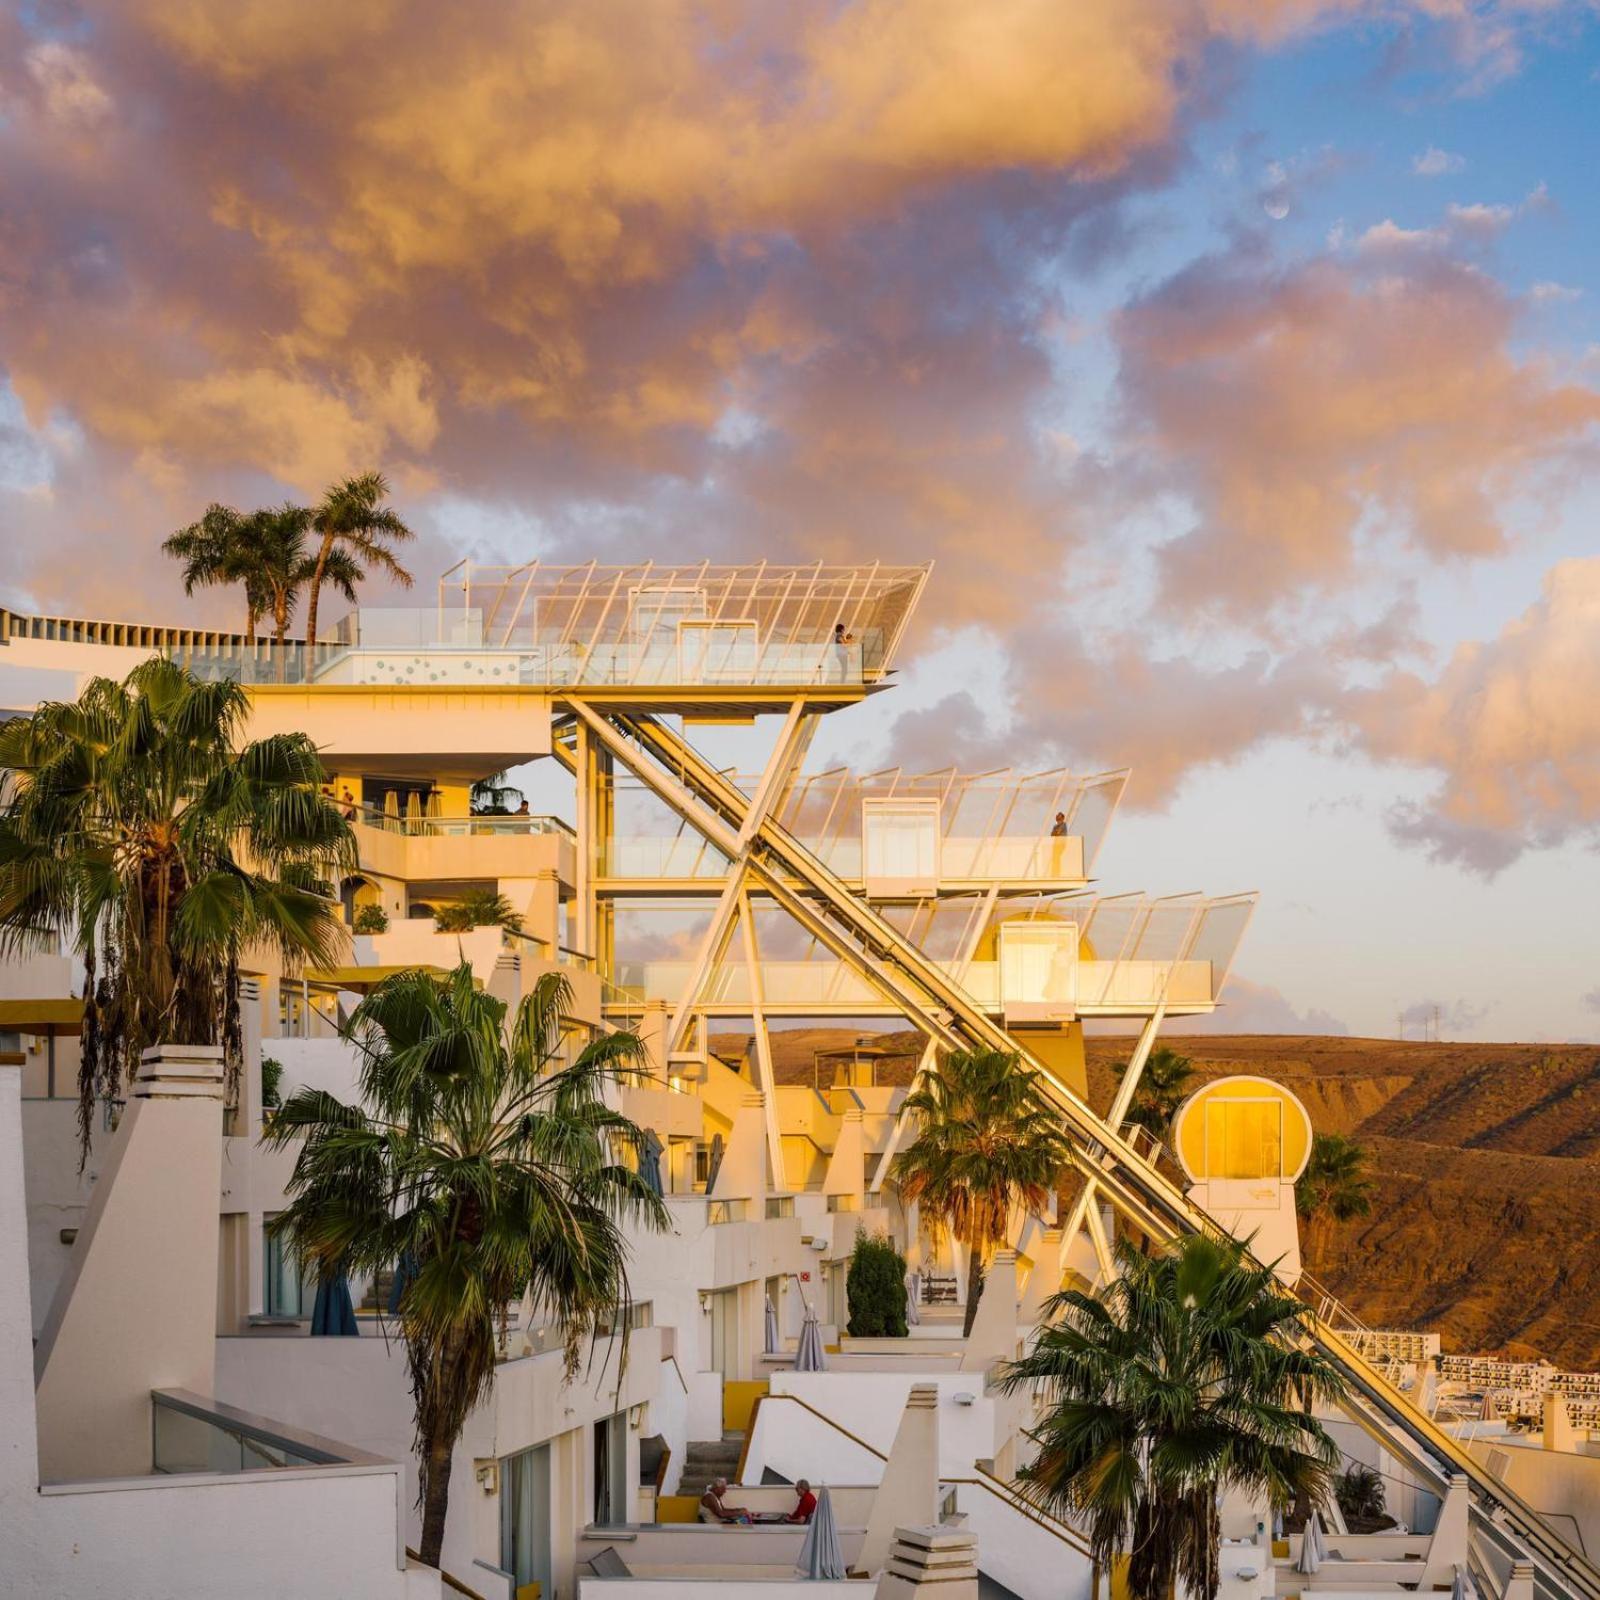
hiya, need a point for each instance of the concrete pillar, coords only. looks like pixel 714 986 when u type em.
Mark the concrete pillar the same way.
pixel 908 1492
pixel 941 1561
pixel 1044 1280
pixel 137 1307
pixel 846 1166
pixel 994 1330
pixel 743 1173
pixel 1559 1433
pixel 1448 1548
pixel 652 1032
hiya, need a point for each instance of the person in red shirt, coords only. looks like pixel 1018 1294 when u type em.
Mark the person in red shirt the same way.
pixel 805 1505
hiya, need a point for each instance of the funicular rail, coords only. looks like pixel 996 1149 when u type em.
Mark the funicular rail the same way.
pixel 1135 1189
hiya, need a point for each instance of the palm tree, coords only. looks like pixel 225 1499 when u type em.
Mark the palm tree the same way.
pixel 1359 1491
pixel 1334 1186
pixel 481 908
pixel 987 1142
pixel 136 824
pixel 1163 1086
pixel 217 549
pixel 486 1169
pixel 353 521
pixel 1184 1376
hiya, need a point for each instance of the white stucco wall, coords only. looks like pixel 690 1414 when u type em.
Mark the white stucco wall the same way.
pixel 256 1536
pixel 869 1404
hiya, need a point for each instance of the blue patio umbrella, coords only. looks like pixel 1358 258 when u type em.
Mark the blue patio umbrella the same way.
pixel 334 1313
pixel 650 1161
pixel 405 1270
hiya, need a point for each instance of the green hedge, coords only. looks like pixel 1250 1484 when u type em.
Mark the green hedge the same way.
pixel 876 1288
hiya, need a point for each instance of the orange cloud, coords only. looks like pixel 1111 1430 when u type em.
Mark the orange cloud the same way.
pixel 1512 725
pixel 1299 408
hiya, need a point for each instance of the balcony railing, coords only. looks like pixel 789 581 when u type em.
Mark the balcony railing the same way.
pixel 779 1205
pixel 721 1212
pixel 425 825
pixel 191 1434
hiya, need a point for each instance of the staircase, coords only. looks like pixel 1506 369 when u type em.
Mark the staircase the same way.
pixel 710 1458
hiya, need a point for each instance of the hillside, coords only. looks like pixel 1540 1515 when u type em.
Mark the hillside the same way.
pixel 1487 1158
pixel 1487 1226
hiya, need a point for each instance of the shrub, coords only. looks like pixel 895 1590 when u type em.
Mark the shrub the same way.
pixel 482 908
pixel 372 919
pixel 876 1288
pixel 271 1084
pixel 1359 1491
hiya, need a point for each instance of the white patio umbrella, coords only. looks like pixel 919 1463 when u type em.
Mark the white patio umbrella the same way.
pixel 772 1327
pixel 913 1295
pixel 1463 1586
pixel 1311 1550
pixel 1490 1411
pixel 808 1355
pixel 821 1555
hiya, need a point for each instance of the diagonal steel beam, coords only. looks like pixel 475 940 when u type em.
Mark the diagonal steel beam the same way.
pixel 1138 1191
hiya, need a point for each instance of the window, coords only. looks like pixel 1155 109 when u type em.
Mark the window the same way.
pixel 1038 969
pixel 717 652
pixel 286 1293
pixel 900 846
pixel 725 1332
pixel 525 1516
pixel 1244 1138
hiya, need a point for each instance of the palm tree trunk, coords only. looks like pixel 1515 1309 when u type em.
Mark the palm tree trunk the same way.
pixel 435 1499
pixel 280 618
pixel 974 1287
pixel 316 590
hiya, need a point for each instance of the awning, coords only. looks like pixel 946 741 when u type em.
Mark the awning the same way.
pixel 41 1016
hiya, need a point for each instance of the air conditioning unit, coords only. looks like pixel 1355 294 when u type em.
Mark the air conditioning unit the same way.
pixel 818 1244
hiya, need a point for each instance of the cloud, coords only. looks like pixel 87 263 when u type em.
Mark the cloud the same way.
pixel 1258 1008
pixel 1511 725
pixel 1435 1018
pixel 1298 408
pixel 1437 163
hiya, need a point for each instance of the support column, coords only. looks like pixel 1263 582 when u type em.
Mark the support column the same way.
pixel 908 1492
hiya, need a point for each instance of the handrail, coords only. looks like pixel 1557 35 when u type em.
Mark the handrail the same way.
pixel 445 1578
pixel 1020 1503
pixel 794 1399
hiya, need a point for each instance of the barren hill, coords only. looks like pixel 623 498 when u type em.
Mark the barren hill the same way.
pixel 1487 1157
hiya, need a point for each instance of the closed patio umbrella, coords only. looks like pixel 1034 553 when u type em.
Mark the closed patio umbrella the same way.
pixel 413 813
pixel 913 1295
pixel 650 1160
pixel 808 1355
pixel 391 811
pixel 1490 1411
pixel 821 1555
pixel 772 1327
pixel 1310 1547
pixel 1463 1586
pixel 333 1314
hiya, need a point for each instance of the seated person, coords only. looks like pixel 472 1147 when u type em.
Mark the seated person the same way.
pixel 712 1508
pixel 805 1505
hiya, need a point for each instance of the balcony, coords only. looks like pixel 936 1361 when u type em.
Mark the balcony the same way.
pixel 1118 956
pixel 423 848
pixel 540 626
pixel 894 835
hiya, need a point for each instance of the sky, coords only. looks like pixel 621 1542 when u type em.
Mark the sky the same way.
pixel 1236 363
